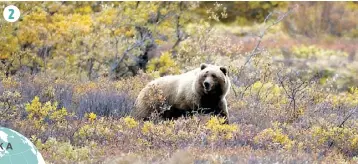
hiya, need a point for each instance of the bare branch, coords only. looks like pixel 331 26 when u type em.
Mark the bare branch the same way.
pixel 255 51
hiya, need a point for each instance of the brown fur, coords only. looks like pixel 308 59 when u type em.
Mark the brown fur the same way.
pixel 186 94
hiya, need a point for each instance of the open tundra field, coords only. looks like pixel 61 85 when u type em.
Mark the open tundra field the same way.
pixel 70 73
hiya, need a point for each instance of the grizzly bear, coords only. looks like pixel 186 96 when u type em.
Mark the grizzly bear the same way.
pixel 202 90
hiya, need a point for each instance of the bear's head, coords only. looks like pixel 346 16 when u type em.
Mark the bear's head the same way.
pixel 213 80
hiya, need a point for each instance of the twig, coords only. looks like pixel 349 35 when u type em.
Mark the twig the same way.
pixel 179 37
pixel 255 51
pixel 347 117
pixel 127 51
pixel 342 123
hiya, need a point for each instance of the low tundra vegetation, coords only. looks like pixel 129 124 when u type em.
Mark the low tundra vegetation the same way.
pixel 266 126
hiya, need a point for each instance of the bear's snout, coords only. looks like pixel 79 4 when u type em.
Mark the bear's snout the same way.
pixel 207 85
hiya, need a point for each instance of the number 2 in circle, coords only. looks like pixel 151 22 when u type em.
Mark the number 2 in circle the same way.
pixel 11 16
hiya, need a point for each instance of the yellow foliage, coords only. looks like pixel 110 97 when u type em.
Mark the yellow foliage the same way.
pixel 129 33
pixel 91 116
pixel 143 142
pixel 274 135
pixel 126 31
pixel 164 130
pixel 38 112
pixel 354 141
pixel 147 127
pixel 59 115
pixel 164 65
pixel 349 99
pixel 217 127
pixel 33 25
pixel 339 135
pixel 132 14
pixel 84 131
pixel 84 9
pixel 267 92
pixel 313 51
pixel 97 128
pixel 9 82
pixel 64 150
pixel 8 42
pixel 108 16
pixel 130 122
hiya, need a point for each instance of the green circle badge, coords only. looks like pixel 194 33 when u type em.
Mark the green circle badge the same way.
pixel 16 148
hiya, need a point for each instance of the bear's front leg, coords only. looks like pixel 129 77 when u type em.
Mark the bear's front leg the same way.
pixel 223 111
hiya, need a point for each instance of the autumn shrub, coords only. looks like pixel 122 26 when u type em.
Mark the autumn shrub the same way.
pixel 342 138
pixel 164 65
pixel 64 93
pixel 219 130
pixel 110 99
pixel 334 66
pixel 41 86
pixel 260 103
pixel 65 152
pixel 97 131
pixel 250 12
pixel 105 104
pixel 44 116
pixel 105 98
pixel 133 85
pixel 315 52
pixel 206 45
pixel 10 107
pixel 274 136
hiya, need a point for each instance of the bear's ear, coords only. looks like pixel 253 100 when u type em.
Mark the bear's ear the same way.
pixel 224 70
pixel 203 66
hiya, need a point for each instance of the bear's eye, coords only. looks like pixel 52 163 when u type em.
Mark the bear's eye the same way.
pixel 214 76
